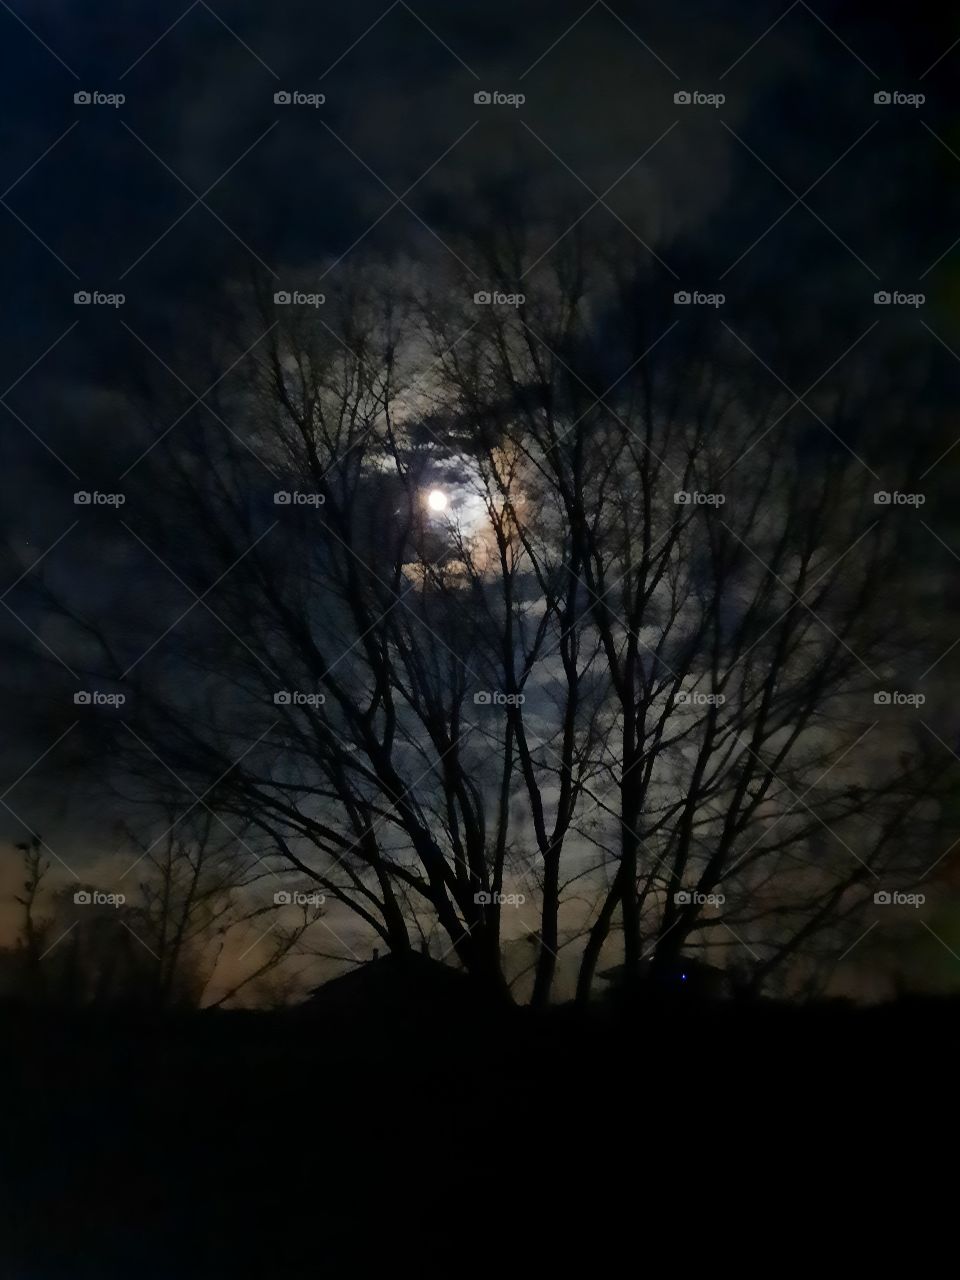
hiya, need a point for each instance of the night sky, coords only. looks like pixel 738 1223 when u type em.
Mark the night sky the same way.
pixel 784 186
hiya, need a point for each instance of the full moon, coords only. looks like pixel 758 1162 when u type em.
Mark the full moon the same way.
pixel 437 500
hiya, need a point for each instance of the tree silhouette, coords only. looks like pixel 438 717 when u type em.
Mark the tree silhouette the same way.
pixel 629 670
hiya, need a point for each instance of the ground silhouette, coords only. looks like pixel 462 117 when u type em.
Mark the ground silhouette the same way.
pixel 284 1144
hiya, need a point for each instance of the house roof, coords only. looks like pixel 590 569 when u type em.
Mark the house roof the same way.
pixel 391 983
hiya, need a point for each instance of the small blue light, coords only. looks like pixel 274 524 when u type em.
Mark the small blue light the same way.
pixel 683 977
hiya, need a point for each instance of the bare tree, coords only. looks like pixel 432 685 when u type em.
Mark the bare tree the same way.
pixel 156 939
pixel 737 586
pixel 34 930
pixel 645 622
